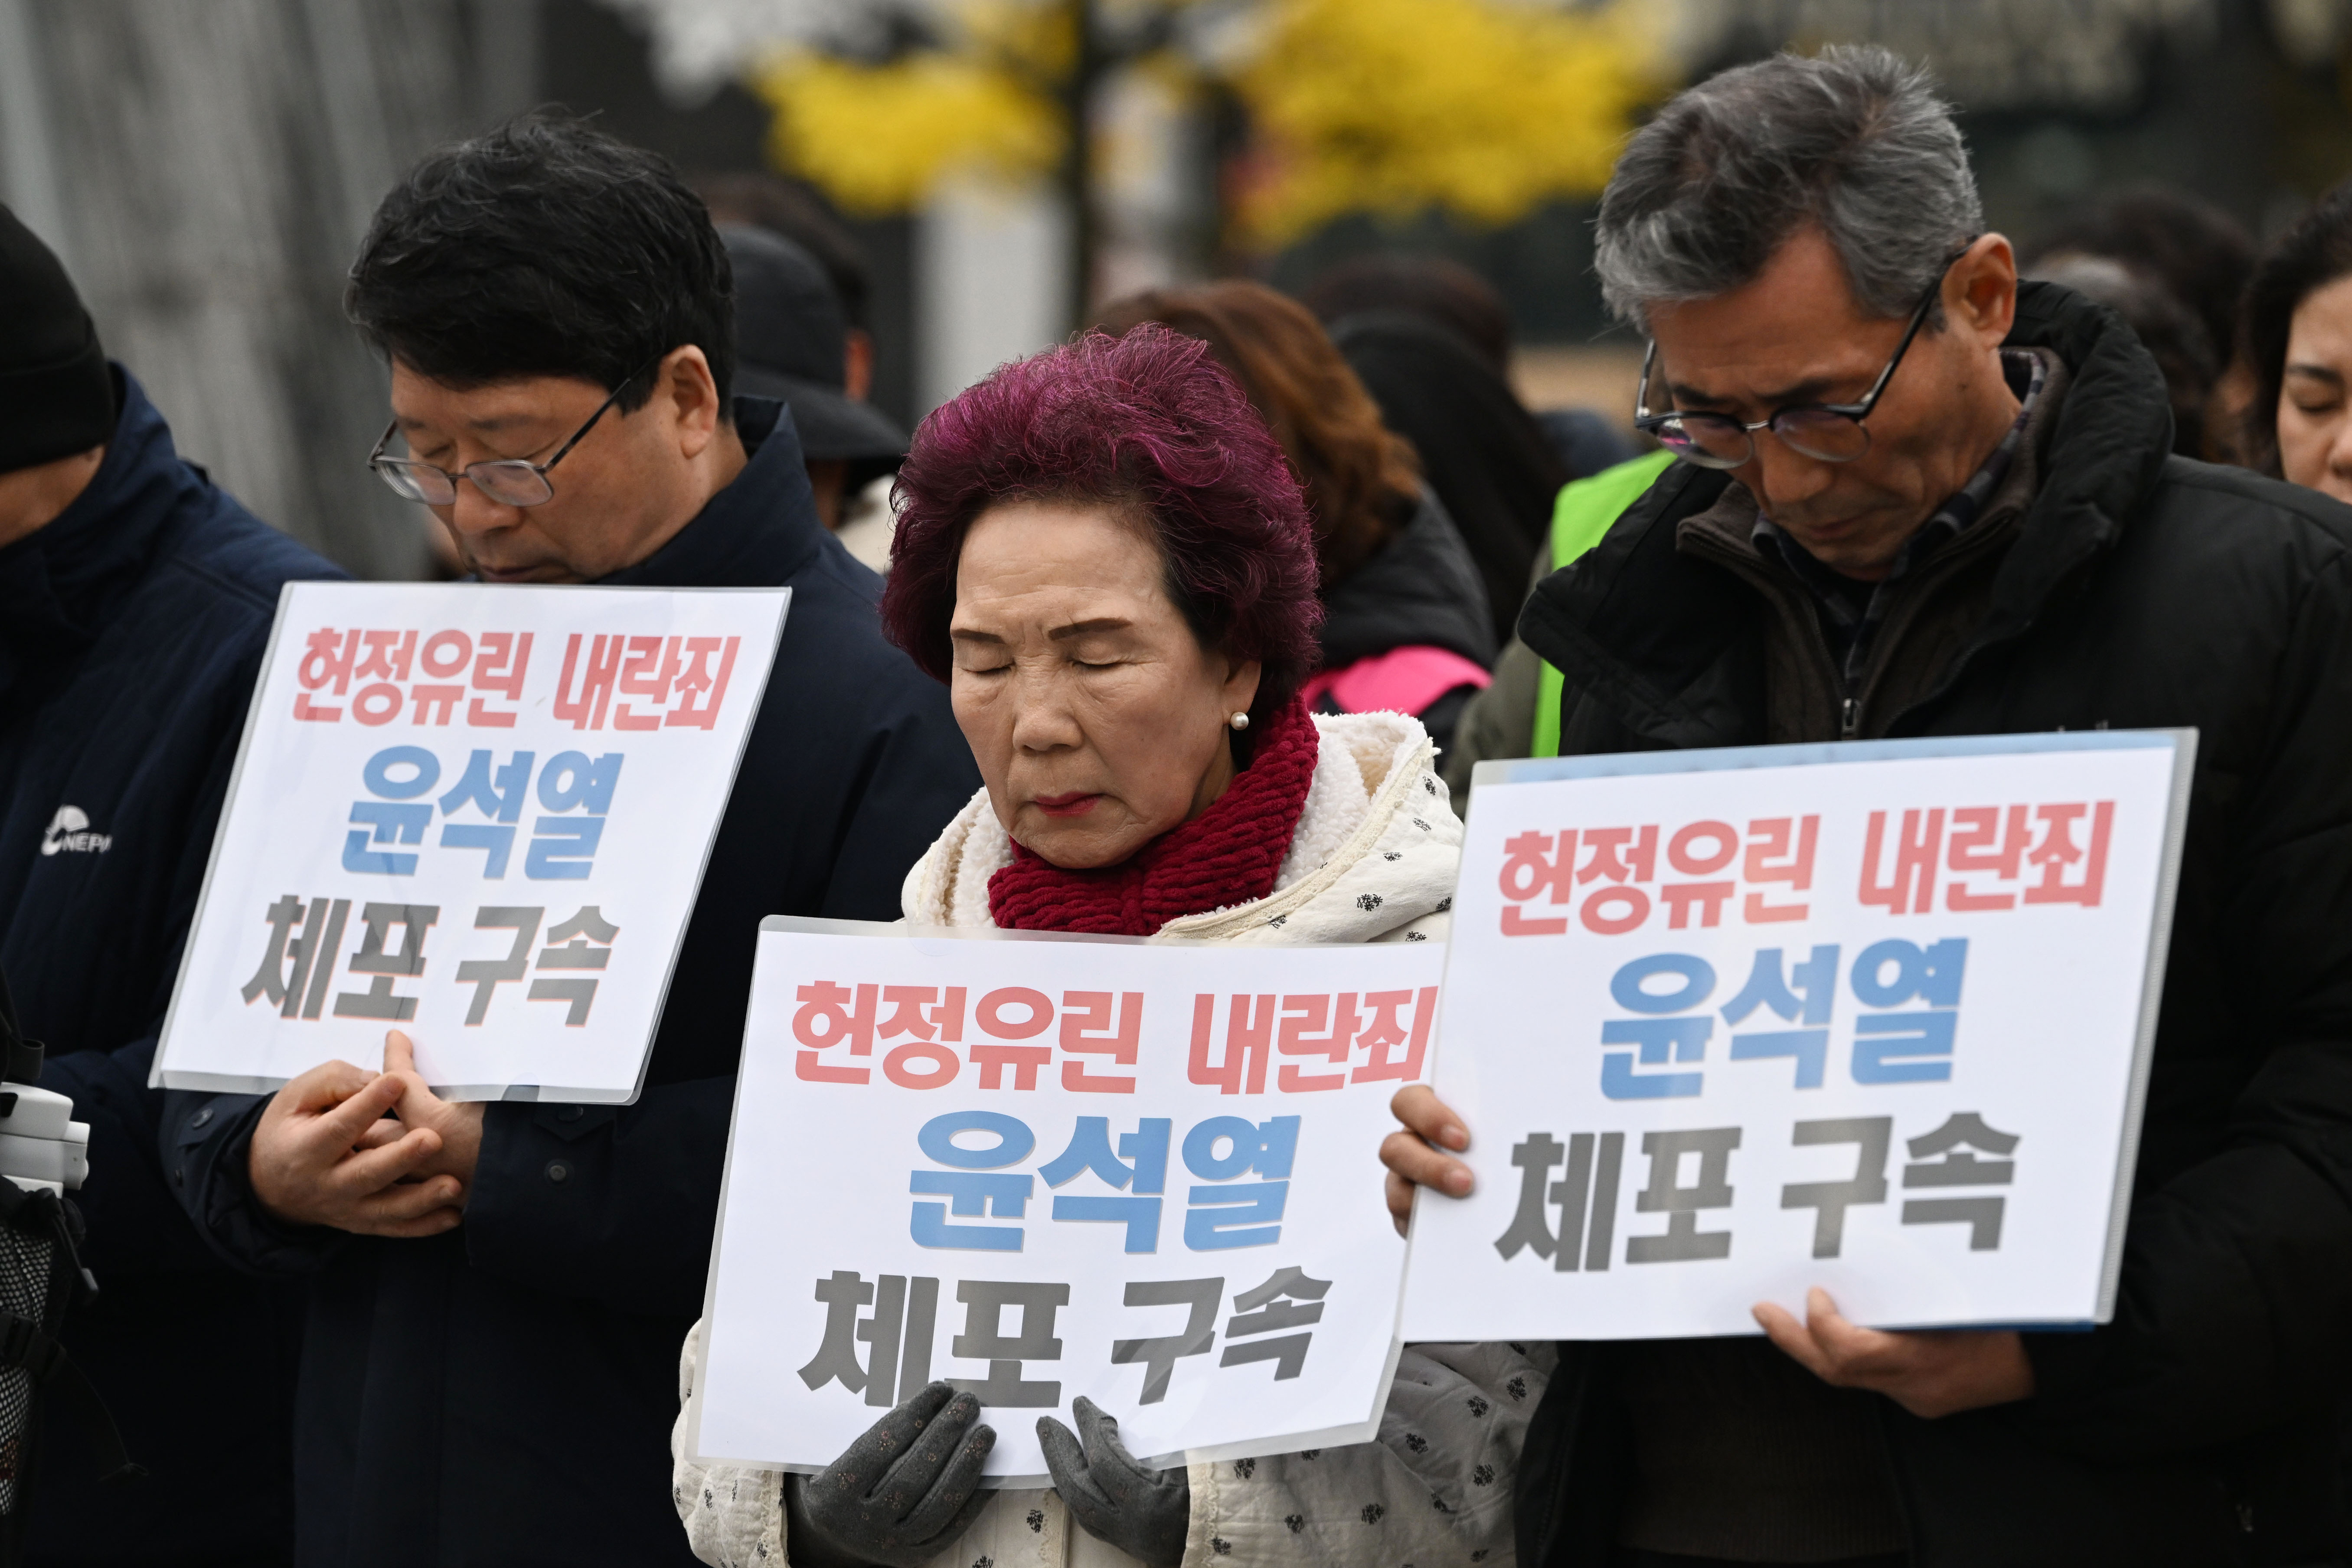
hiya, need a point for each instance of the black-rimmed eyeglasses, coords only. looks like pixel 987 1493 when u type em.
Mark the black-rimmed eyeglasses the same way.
pixel 508 481
pixel 1826 431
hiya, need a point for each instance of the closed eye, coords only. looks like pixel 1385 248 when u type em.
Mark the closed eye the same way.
pixel 2314 389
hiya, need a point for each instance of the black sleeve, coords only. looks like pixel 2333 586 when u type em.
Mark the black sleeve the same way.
pixel 917 774
pixel 207 1141
pixel 129 1202
pixel 136 1224
pixel 2237 1279
pixel 615 1204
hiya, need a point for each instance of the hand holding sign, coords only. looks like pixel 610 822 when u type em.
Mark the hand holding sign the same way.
pixel 317 1158
pixel 1145 1511
pixel 903 1491
pixel 1413 1156
pixel 1094 1176
pixel 1874 1018
pixel 1930 1372
pixel 456 1124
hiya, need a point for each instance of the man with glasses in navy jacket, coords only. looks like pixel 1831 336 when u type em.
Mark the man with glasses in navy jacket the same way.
pixel 498 1293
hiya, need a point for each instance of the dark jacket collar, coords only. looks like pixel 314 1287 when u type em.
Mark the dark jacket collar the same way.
pixel 758 531
pixel 61 584
pixel 1421 588
pixel 1669 644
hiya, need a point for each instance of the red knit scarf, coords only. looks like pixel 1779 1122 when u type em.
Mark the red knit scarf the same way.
pixel 1226 855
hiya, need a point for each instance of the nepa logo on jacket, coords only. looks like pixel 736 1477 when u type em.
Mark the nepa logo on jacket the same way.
pixel 68 833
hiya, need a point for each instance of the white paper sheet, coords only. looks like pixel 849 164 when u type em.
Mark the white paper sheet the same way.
pixel 1871 1017
pixel 485 811
pixel 1131 1168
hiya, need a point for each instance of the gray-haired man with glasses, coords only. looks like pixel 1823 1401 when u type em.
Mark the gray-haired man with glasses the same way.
pixel 1918 497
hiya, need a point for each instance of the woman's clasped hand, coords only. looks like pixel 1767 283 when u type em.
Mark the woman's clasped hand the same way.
pixel 900 1495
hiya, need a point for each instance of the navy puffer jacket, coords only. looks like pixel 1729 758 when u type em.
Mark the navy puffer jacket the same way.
pixel 131 627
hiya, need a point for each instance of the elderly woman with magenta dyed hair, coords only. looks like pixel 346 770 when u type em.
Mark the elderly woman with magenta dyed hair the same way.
pixel 1104 554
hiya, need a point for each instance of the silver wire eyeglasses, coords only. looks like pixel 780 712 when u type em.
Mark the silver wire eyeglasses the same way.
pixel 1826 431
pixel 508 481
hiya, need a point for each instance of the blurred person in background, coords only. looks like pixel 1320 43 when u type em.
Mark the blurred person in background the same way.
pixel 1407 627
pixel 2298 350
pixel 136 598
pixel 1449 294
pixel 1914 498
pixel 2199 257
pixel 497 1292
pixel 1519 712
pixel 2171 333
pixel 1431 340
pixel 796 212
pixel 791 343
pixel 1479 449
pixel 1430 286
pixel 799 213
pixel 1108 560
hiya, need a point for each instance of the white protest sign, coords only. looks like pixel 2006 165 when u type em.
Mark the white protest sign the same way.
pixel 1873 1017
pixel 1047 1166
pixel 479 814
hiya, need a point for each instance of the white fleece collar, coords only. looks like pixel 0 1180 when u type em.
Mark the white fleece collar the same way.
pixel 1374 852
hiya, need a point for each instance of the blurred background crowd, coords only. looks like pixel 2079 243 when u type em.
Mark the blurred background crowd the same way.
pixel 1377 214
pixel 978 177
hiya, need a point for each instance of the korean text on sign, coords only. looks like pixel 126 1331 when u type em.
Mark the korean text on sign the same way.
pixel 1702 1006
pixel 478 813
pixel 1041 1169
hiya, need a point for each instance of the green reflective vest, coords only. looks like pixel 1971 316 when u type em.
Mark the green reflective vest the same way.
pixel 1582 514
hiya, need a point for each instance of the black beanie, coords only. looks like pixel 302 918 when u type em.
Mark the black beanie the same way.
pixel 56 396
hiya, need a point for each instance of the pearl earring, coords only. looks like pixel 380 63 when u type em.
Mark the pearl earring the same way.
pixel 1239 721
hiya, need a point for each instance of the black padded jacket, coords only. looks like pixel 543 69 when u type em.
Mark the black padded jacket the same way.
pixel 2142 590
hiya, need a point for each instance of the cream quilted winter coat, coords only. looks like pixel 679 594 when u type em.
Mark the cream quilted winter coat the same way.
pixel 1373 860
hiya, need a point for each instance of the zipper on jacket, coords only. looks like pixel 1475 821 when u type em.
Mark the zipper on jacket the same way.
pixel 1849 718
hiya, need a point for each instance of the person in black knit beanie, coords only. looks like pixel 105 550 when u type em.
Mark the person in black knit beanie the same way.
pixel 56 397
pixel 136 598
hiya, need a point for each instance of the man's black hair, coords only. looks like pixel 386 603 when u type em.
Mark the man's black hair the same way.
pixel 545 248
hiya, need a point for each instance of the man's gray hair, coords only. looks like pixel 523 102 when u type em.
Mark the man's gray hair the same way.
pixel 1855 140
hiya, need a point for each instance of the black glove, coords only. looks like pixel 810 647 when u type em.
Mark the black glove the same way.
pixel 900 1495
pixel 1144 1513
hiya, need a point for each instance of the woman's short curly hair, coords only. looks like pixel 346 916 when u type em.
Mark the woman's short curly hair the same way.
pixel 1149 422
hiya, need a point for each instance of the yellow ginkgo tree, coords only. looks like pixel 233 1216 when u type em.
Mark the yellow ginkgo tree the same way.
pixel 990 92
pixel 1483 109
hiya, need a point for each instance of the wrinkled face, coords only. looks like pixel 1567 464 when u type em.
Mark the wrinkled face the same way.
pixel 1097 719
pixel 2314 408
pixel 620 494
pixel 1797 335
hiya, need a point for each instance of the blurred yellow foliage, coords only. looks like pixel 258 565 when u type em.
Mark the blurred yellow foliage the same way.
pixel 1484 106
pixel 877 138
